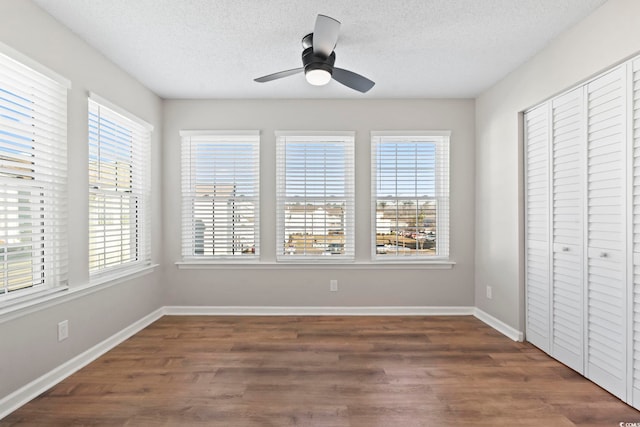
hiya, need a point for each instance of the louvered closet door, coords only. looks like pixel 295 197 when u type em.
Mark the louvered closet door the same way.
pixel 537 225
pixel 606 276
pixel 635 93
pixel 567 217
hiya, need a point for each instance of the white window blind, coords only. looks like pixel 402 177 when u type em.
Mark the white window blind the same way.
pixel 119 189
pixel 315 196
pixel 33 194
pixel 410 195
pixel 220 195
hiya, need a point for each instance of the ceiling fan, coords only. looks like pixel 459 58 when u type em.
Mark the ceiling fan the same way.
pixel 318 58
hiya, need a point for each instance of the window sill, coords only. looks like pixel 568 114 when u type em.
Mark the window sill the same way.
pixel 388 265
pixel 21 307
pixel 118 275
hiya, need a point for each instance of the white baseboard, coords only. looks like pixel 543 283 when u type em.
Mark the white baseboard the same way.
pixel 499 325
pixel 315 311
pixel 38 386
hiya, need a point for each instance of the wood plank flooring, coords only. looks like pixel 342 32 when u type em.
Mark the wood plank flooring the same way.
pixel 323 371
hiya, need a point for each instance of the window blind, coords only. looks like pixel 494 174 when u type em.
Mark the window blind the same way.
pixel 315 196
pixel 119 189
pixel 410 195
pixel 33 194
pixel 220 194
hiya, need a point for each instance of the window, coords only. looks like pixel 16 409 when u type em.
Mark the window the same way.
pixel 315 196
pixel 119 189
pixel 33 164
pixel 410 195
pixel 220 195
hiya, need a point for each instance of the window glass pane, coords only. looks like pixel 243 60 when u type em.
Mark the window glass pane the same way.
pixel 33 177
pixel 315 196
pixel 220 189
pixel 118 188
pixel 411 214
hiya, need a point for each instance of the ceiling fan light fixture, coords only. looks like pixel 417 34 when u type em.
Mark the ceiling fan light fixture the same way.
pixel 317 76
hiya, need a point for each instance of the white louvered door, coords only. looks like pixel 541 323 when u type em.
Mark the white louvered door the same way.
pixel 582 219
pixel 635 126
pixel 567 232
pixel 606 240
pixel 536 126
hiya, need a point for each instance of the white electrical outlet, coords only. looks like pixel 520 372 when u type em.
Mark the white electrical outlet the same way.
pixel 63 330
pixel 333 285
pixel 489 292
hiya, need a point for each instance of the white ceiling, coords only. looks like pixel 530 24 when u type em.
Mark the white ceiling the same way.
pixel 410 48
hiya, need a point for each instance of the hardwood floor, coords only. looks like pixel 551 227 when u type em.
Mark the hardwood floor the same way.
pixel 324 371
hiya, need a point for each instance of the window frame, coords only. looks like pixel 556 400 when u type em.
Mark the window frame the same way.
pixel 313 137
pixel 252 137
pixel 441 140
pixel 140 193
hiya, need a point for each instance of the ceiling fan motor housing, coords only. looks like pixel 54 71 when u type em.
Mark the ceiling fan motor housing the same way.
pixel 316 61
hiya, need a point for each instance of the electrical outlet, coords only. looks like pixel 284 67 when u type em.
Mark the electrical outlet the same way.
pixel 63 330
pixel 333 285
pixel 489 292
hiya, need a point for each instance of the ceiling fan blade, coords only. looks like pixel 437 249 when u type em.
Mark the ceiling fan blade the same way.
pixel 325 35
pixel 353 80
pixel 278 75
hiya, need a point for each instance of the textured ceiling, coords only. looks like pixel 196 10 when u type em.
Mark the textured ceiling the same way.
pixel 410 48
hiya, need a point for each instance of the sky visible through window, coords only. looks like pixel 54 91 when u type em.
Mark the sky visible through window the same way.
pixel 113 138
pixel 315 169
pixel 405 169
pixel 17 248
pixel 225 164
pixel 16 112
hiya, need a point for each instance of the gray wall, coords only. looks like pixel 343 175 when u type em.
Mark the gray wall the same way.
pixel 607 37
pixel 288 286
pixel 28 344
